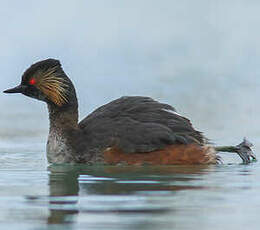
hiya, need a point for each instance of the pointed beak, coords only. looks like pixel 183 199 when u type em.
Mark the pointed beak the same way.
pixel 17 89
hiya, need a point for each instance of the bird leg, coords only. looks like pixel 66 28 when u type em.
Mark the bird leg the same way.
pixel 243 150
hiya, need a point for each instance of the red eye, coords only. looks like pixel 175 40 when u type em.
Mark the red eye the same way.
pixel 32 81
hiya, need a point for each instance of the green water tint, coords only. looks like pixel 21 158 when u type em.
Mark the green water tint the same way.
pixel 110 190
pixel 130 197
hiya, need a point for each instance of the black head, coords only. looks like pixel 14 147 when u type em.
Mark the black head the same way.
pixel 46 81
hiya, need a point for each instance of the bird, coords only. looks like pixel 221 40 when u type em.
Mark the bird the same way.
pixel 131 130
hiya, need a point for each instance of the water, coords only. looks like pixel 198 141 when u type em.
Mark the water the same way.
pixel 200 56
pixel 36 196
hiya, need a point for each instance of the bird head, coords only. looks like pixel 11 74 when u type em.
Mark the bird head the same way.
pixel 46 81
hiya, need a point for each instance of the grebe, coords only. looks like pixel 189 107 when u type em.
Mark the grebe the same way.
pixel 130 130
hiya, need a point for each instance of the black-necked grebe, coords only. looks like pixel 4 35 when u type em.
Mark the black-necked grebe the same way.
pixel 129 130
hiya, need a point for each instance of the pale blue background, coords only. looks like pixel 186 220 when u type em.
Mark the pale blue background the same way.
pixel 200 56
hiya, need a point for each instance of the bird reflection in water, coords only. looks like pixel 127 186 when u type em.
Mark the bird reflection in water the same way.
pixel 100 190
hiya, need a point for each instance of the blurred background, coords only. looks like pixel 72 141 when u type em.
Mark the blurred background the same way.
pixel 200 56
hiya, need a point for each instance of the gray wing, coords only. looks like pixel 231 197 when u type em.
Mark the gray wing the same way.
pixel 138 124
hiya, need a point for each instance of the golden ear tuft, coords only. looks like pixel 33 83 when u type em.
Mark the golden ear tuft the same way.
pixel 53 86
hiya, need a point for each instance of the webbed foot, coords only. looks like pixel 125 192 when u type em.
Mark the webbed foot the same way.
pixel 245 152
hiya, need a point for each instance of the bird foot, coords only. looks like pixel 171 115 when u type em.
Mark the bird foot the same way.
pixel 245 152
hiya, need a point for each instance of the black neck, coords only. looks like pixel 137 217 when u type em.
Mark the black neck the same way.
pixel 62 118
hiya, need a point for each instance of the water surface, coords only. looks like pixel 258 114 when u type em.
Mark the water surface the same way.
pixel 200 56
pixel 36 196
